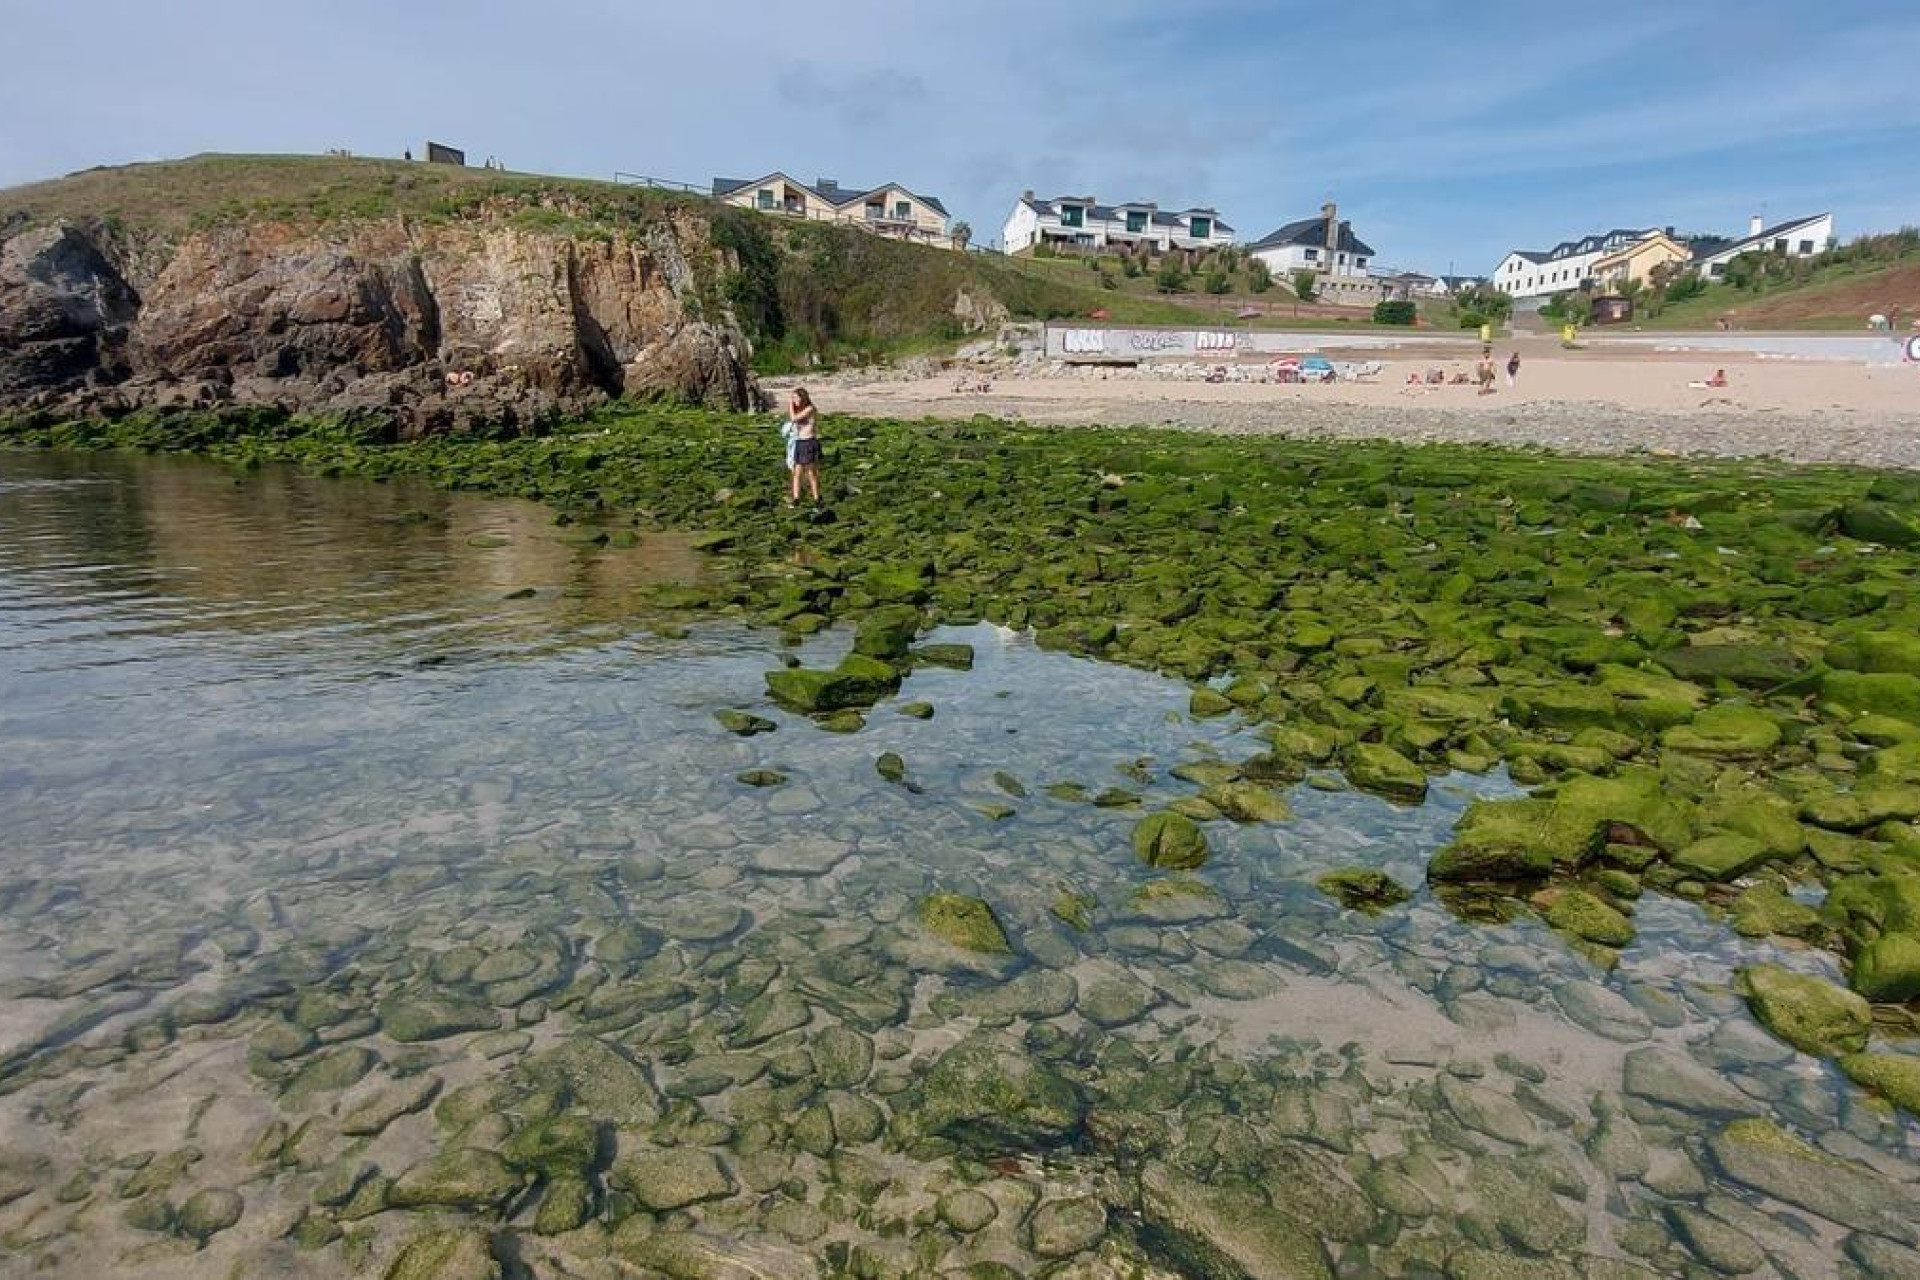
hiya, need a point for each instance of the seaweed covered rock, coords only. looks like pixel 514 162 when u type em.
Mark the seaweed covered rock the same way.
pixel 1362 889
pixel 461 1253
pixel 1894 1076
pixel 1723 856
pixel 1809 1013
pixel 1870 521
pixel 1758 1153
pixel 964 922
pixel 1729 730
pixel 1887 969
pixel 1756 666
pixel 1169 841
pixel 887 632
pixel 1528 837
pixel 859 681
pixel 671 1179
pixel 1887 693
pixel 987 1093
pixel 1376 767
pixel 1247 802
pixel 1589 917
pixel 1881 651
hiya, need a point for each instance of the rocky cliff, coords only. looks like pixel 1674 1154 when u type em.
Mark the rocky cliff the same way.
pixel 489 318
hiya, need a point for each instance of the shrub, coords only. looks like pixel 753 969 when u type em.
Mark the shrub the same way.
pixel 1471 319
pixel 1259 275
pixel 1044 250
pixel 1217 281
pixel 1303 282
pixel 1172 277
pixel 1131 266
pixel 1690 285
pixel 1393 311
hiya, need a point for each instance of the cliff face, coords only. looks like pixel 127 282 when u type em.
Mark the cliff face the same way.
pixel 434 326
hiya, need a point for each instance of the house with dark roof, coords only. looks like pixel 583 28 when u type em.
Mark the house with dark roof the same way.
pixel 1082 223
pixel 1327 246
pixel 1796 238
pixel 1539 273
pixel 889 210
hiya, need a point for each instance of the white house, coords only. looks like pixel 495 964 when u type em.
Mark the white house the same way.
pixel 1304 245
pixel 1799 238
pixel 1082 222
pixel 889 210
pixel 1530 273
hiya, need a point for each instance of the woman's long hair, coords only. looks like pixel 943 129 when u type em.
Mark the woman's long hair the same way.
pixel 802 399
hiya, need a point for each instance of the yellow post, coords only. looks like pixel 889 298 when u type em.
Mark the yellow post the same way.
pixel 1486 333
pixel 1566 334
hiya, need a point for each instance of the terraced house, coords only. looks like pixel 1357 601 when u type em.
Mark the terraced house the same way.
pixel 1540 273
pixel 1083 224
pixel 888 210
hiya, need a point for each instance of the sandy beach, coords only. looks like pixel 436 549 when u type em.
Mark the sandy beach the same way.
pixel 1612 397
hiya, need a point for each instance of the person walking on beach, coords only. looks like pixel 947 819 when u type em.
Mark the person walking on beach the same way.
pixel 804 419
pixel 1484 374
pixel 1513 370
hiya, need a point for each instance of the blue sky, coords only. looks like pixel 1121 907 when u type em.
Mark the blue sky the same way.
pixel 1447 132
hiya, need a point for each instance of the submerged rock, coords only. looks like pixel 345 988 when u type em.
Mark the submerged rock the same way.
pixel 1811 1014
pixel 1203 1230
pixel 1062 1228
pixel 1587 916
pixel 1376 767
pixel 1894 1076
pixel 456 1178
pixel 987 1093
pixel 411 1018
pixel 743 723
pixel 1169 841
pixel 209 1212
pixel 964 922
pixel 1363 889
pixel 1759 1154
pixel 672 1179
pixel 457 1254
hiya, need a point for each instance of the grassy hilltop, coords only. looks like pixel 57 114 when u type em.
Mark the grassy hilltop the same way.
pixel 806 292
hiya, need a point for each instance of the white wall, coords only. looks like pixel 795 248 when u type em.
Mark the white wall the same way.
pixel 1820 232
pixel 1286 259
pixel 1020 228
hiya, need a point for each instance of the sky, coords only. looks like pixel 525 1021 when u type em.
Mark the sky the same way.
pixel 1448 133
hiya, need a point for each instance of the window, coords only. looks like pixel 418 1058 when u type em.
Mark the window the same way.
pixel 1312 254
pixel 1806 248
pixel 1202 228
pixel 1360 262
pixel 764 198
pixel 1136 220
pixel 1072 215
pixel 875 210
pixel 902 210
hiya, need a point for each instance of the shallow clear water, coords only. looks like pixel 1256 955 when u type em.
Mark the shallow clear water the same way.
pixel 281 752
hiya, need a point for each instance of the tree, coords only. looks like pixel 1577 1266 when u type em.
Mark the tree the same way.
pixel 962 235
pixel 1172 277
pixel 1303 284
pixel 1217 281
pixel 1259 275
pixel 1394 311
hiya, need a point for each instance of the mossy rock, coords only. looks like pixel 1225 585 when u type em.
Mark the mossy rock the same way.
pixel 1859 810
pixel 1869 521
pixel 964 922
pixel 1248 802
pixel 208 1212
pixel 1887 969
pixel 1877 651
pixel 955 657
pixel 1894 765
pixel 414 1017
pixel 1892 694
pixel 1075 910
pixel 1767 910
pixel 1208 703
pixel 1378 768
pixel 1811 1014
pixel 456 1178
pixel 1758 815
pixel 1723 856
pixel 670 1179
pixel 887 632
pixel 1568 706
pixel 743 723
pixel 1169 841
pixel 1755 666
pixel 1522 839
pixel 1588 917
pixel 991 1096
pixel 1438 703
pixel 1648 700
pixel 1363 889
pixel 454 1254
pixel 1894 1076
pixel 859 681
pixel 1728 730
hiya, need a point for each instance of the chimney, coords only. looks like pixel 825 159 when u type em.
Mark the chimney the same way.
pixel 1331 215
pixel 1754 225
pixel 1027 195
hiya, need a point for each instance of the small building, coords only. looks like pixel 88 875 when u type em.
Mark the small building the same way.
pixel 1530 273
pixel 1454 286
pixel 1798 238
pixel 888 210
pixel 1611 309
pixel 1083 224
pixel 1327 246
pixel 1636 262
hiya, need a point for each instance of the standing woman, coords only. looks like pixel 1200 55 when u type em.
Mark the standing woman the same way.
pixel 806 442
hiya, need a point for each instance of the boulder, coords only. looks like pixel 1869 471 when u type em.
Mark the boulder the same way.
pixel 887 633
pixel 1894 1076
pixel 1362 889
pixel 1887 969
pixel 964 922
pixel 989 1094
pixel 1585 915
pixel 859 681
pixel 1892 694
pixel 1376 767
pixel 1809 1013
pixel 1881 651
pixel 1169 841
pixel 1729 730
pixel 1723 856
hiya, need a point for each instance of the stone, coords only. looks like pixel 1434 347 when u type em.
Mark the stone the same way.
pixel 1724 1248
pixel 989 1094
pixel 565 1206
pixel 416 1017
pixel 1759 1154
pixel 403 1098
pixel 955 657
pixel 208 1212
pixel 1207 703
pixel 1586 915
pixel 760 778
pixel 859 681
pixel 1728 730
pixel 1062 1228
pixel 1169 841
pixel 967 1210
pixel 887 632
pixel 1868 806
pixel 1376 767
pixel 672 1178
pixel 1115 1001
pixel 454 1254
pixel 1887 969
pixel 456 1178
pixel 1890 694
pixel 743 723
pixel 1894 1076
pixel 964 922
pixel 1724 856
pixel 842 1057
pixel 1765 910
pixel 1362 889
pixel 1671 1079
pixel 328 1072
pixel 1486 1111
pixel 1247 802
pixel 1811 1014
pixel 599 1076
pixel 1226 1231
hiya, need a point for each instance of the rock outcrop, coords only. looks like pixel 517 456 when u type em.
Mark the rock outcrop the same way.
pixel 487 321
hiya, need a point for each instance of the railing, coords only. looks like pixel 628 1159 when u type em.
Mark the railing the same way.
pixel 660 184
pixel 884 224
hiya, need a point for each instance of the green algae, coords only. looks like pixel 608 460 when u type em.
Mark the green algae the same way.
pixel 964 922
